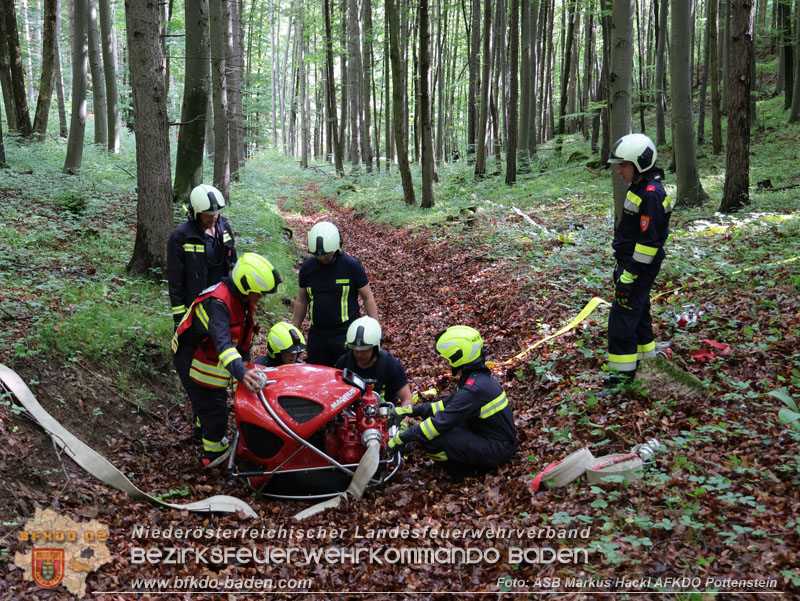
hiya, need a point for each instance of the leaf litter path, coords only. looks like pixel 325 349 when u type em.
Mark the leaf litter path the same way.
pixel 424 282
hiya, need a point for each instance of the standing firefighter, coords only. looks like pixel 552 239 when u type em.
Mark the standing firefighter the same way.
pixel 639 239
pixel 472 430
pixel 330 284
pixel 200 251
pixel 212 344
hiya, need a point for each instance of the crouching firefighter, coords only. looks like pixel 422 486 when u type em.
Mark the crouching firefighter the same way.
pixel 285 345
pixel 638 244
pixel 471 431
pixel 212 344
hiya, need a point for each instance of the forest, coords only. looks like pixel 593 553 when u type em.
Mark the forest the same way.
pixel 461 147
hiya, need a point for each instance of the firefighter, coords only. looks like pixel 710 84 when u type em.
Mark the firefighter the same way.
pixel 639 239
pixel 200 251
pixel 285 344
pixel 212 344
pixel 365 357
pixel 330 284
pixel 472 430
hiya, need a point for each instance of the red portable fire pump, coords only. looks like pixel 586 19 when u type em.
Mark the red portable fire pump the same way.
pixel 303 434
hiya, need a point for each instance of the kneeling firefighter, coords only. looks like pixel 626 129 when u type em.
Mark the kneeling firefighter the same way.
pixel 285 344
pixel 472 430
pixel 212 344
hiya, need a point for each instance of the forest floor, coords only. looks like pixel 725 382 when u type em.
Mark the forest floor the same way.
pixel 719 502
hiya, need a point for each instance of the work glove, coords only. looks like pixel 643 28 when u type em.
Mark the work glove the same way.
pixel 402 412
pixel 424 395
pixel 395 443
pixel 622 293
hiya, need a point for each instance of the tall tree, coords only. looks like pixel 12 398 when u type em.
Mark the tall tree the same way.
pixel 425 105
pixel 222 160
pixel 737 164
pixel 233 79
pixel 23 117
pixel 154 219
pixel 191 135
pixel 483 117
pixel 5 76
pixel 794 117
pixel 513 51
pixel 80 71
pixel 110 74
pixel 401 142
pixel 474 32
pixel 366 80
pixel 620 85
pixel 788 50
pixel 354 83
pixel 690 192
pixel 3 164
pixel 49 44
pixel 330 91
pixel 565 72
pixel 662 8
pixel 98 83
pixel 713 67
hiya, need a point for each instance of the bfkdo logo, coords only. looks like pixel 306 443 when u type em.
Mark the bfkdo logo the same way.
pixel 48 567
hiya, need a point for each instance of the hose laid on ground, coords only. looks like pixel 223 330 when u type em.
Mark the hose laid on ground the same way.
pixel 364 472
pixel 97 465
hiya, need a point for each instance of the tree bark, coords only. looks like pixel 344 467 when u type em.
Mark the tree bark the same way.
pixel 49 43
pixel 713 68
pixel 690 193
pixel 191 134
pixel 301 76
pixel 219 77
pixel 401 143
pixel 425 105
pixel 23 117
pixel 110 74
pixel 98 84
pixel 233 69
pixel 474 78
pixel 154 220
pixel 620 78
pixel 330 92
pixel 354 83
pixel 788 51
pixel 794 117
pixel 480 146
pixel 513 51
pixel 661 62
pixel 366 87
pixel 565 75
pixel 701 108
pixel 737 164
pixel 62 111
pixel 80 68
pixel 5 77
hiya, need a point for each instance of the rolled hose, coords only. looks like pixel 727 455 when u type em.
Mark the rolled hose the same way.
pixel 366 469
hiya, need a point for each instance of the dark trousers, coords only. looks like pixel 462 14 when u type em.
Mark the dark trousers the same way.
pixel 461 452
pixel 630 330
pixel 210 405
pixel 325 345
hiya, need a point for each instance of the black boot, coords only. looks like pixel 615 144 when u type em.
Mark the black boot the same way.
pixel 616 383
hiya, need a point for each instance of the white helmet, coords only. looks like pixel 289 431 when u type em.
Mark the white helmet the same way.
pixel 206 199
pixel 635 148
pixel 363 334
pixel 324 238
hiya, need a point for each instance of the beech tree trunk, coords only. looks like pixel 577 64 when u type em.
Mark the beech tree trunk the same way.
pixel 80 70
pixel 154 219
pixel 49 43
pixel 713 67
pixel 794 117
pixel 23 118
pixel 330 92
pixel 620 78
pixel 191 134
pixel 222 165
pixel 474 78
pixel 737 164
pixel 366 87
pixel 483 117
pixel 425 105
pixel 662 7
pixel 398 105
pixel 688 181
pixel 513 51
pixel 98 84
pixel 110 74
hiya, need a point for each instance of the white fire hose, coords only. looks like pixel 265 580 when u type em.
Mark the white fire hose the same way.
pixel 364 472
pixel 97 465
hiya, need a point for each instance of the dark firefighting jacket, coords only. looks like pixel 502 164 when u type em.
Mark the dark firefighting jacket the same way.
pixel 219 325
pixel 640 235
pixel 478 403
pixel 188 265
